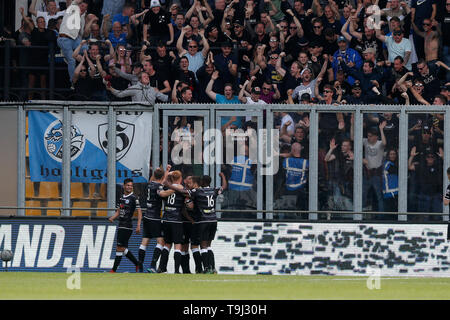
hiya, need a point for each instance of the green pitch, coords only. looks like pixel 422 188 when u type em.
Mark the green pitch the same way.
pixel 33 285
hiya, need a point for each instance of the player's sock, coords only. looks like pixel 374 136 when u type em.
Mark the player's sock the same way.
pixel 187 258
pixel 156 255
pixel 212 262
pixel 164 259
pixel 177 258
pixel 185 262
pixel 197 259
pixel 141 253
pixel 205 259
pixel 117 260
pixel 131 257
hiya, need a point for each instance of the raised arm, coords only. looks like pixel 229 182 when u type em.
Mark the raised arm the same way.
pixel 205 43
pixel 278 67
pixel 27 20
pixel 105 24
pixel 208 90
pixel 241 92
pixel 76 53
pixel 181 50
pixel 32 8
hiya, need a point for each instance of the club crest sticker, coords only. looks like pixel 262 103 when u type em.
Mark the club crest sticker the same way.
pixel 53 141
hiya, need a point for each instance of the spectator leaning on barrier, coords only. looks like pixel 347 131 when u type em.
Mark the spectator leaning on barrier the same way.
pixel 141 92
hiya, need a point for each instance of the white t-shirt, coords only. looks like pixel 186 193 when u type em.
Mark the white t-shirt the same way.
pixel 67 25
pixel 291 127
pixel 398 49
pixel 250 101
pixel 373 153
pixel 47 17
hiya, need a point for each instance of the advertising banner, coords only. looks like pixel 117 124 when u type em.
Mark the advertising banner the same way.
pixel 89 145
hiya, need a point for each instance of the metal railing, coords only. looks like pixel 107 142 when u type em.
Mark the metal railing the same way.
pixel 211 113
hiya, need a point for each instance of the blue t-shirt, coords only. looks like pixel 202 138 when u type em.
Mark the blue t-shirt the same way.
pixel 122 19
pixel 122 39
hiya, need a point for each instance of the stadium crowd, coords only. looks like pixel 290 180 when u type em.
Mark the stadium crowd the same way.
pixel 269 52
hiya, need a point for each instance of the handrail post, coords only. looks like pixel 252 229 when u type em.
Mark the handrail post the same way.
pixel 51 79
pixel 7 66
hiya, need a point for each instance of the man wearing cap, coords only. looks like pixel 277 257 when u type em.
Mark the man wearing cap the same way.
pixel 254 97
pixel 348 56
pixel 397 46
pixel 356 96
pixel 366 40
pixel 161 28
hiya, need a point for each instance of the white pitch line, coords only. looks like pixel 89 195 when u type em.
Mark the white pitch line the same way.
pixel 229 280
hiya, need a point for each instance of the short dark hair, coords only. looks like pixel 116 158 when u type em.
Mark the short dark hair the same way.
pixel 158 173
pixel 127 180
pixel 183 91
pixel 371 64
pixel 206 181
pixel 399 58
pixel 441 97
pixel 373 131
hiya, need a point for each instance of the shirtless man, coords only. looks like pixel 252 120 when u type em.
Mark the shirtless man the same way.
pixel 431 39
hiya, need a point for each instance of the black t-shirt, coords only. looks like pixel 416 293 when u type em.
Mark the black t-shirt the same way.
pixel 157 80
pixel 173 205
pixel 39 57
pixel 154 201
pixel 83 88
pixel 205 202
pixel 161 64
pixel 431 81
pixel 97 81
pixel 446 30
pixel 127 204
pixel 158 22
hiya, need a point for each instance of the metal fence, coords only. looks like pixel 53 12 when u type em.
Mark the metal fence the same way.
pixel 211 117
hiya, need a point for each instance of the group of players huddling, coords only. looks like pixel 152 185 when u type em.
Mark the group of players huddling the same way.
pixel 189 217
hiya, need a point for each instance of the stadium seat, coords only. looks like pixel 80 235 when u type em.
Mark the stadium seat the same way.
pixel 100 195
pixel 81 213
pixel 76 190
pixel 29 189
pixel 53 204
pixel 33 212
pixel 102 213
pixel 27 147
pixel 49 190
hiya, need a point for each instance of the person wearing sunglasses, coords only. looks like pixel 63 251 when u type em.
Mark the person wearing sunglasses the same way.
pixel 431 39
pixel 196 58
pixel 428 72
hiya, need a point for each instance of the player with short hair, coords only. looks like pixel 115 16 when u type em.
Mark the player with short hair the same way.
pixel 204 200
pixel 172 221
pixel 126 206
pixel 152 219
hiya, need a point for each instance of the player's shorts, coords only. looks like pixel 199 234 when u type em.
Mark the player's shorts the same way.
pixel 123 235
pixel 187 232
pixel 172 232
pixel 152 228
pixel 195 235
pixel 207 230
